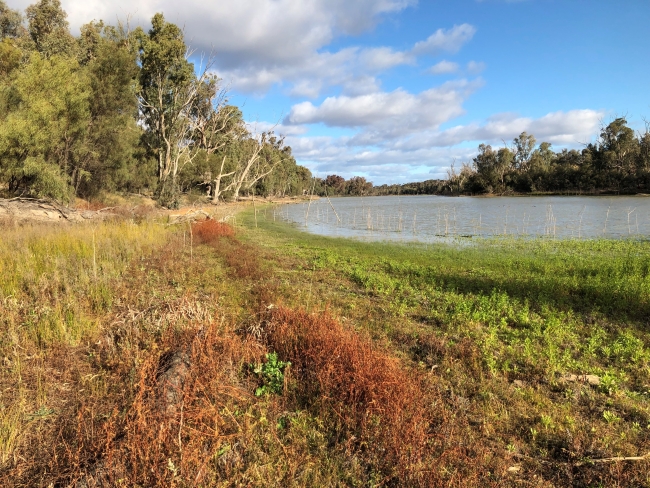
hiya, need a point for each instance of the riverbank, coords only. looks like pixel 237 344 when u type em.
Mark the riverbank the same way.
pixel 142 352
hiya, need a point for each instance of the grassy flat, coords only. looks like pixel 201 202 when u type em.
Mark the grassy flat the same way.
pixel 133 353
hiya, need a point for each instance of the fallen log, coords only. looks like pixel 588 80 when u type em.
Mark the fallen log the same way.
pixel 24 210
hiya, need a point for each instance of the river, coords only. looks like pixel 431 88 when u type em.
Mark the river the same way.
pixel 431 218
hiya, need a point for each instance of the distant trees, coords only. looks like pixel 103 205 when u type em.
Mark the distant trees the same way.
pixel 618 161
pixel 112 110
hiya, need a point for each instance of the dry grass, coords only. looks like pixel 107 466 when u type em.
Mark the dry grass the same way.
pixel 154 386
pixel 210 231
pixel 377 408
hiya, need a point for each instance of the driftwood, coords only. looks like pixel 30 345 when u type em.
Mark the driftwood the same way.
pixel 22 210
pixel 194 216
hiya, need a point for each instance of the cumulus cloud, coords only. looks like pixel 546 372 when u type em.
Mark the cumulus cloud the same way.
pixel 444 67
pixel 445 40
pixel 382 58
pixel 258 44
pixel 474 67
pixel 398 110
pixel 429 152
pixel 328 155
pixel 273 30
pixel 563 128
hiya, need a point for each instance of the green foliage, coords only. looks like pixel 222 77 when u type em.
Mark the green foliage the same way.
pixel 43 135
pixel 113 135
pixel 117 111
pixel 49 29
pixel 45 179
pixel 10 22
pixel 166 82
pixel 619 162
pixel 271 373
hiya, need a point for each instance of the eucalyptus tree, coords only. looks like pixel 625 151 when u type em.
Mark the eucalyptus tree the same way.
pixel 524 146
pixel 619 147
pixel 49 29
pixel 251 166
pixel 168 93
pixel 11 22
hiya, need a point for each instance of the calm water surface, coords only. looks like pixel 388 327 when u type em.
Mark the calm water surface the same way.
pixel 431 218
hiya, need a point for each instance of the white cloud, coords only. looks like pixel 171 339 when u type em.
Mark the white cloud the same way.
pixel 261 43
pixel 444 67
pixel 382 58
pixel 275 30
pixel 328 155
pixel 258 44
pixel 442 40
pixel 562 128
pixel 429 152
pixel 474 67
pixel 389 112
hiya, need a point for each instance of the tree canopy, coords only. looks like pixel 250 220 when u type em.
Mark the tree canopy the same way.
pixel 113 110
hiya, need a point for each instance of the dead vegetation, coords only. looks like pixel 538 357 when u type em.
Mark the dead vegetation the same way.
pixel 158 386
pixel 376 408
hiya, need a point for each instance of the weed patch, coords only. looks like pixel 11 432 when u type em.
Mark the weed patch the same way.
pixel 210 231
pixel 376 406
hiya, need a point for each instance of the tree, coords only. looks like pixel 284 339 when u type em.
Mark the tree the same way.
pixel 504 163
pixel 456 180
pixel 10 22
pixel 524 146
pixel 49 29
pixel 357 185
pixel 336 183
pixel 113 135
pixel 168 94
pixel 216 125
pixel 542 157
pixel 619 146
pixel 257 161
pixel 42 136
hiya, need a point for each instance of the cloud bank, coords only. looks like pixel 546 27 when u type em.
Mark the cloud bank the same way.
pixel 396 134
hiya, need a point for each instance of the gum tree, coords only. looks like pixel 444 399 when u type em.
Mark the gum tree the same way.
pixel 168 94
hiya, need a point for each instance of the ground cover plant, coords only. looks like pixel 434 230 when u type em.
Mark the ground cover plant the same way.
pixel 143 354
pixel 514 330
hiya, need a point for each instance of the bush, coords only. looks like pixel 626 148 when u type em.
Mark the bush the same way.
pixel 210 231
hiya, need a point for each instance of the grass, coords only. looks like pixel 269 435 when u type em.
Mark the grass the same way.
pixel 129 357
pixel 500 324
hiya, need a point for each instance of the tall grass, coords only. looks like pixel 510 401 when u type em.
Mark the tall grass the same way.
pixel 56 282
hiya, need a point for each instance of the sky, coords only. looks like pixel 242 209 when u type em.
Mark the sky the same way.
pixel 398 90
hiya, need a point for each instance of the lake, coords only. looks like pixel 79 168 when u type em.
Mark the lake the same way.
pixel 431 218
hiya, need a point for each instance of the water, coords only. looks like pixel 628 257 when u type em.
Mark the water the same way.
pixel 431 218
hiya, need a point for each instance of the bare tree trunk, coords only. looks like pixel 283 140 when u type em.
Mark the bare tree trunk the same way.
pixel 249 164
pixel 217 183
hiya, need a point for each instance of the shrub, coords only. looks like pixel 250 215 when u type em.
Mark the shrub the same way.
pixel 365 394
pixel 210 231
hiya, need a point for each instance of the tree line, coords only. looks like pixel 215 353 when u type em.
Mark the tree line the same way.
pixel 617 162
pixel 114 109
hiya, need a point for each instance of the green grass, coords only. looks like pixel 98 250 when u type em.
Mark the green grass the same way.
pixel 486 332
pixel 582 304
pixel 534 310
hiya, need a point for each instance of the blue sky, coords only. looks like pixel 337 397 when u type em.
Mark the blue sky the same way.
pixel 396 90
